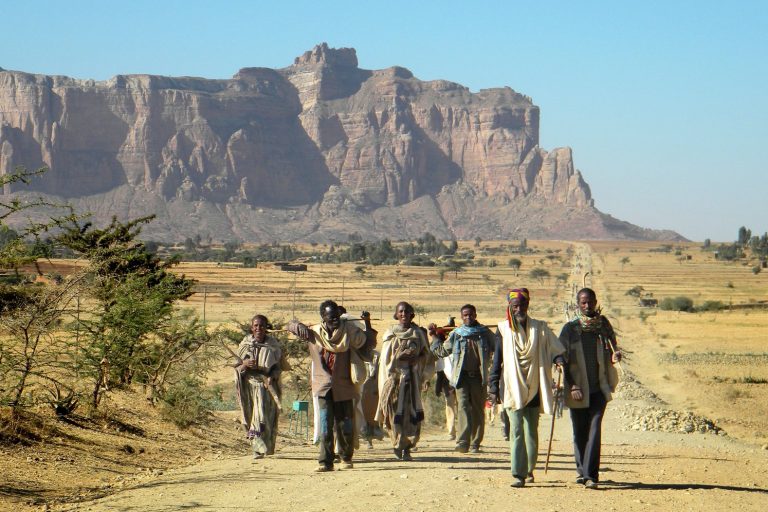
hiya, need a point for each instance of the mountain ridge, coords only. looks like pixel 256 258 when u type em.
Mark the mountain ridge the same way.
pixel 311 152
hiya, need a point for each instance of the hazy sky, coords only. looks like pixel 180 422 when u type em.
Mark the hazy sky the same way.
pixel 665 103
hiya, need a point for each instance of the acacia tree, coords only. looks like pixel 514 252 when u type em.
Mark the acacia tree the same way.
pixel 30 351
pixel 19 175
pixel 624 261
pixel 515 263
pixel 32 356
pixel 539 274
pixel 455 267
pixel 179 347
pixel 130 291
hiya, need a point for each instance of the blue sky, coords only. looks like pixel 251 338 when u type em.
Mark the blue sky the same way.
pixel 665 103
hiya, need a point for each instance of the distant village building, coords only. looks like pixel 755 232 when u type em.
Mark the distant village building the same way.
pixel 291 267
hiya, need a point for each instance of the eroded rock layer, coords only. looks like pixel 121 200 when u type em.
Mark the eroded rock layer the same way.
pixel 313 151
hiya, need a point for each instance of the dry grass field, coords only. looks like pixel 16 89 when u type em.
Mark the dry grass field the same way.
pixel 712 363
pixel 231 293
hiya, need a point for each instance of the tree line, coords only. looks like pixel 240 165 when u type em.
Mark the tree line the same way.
pixel 746 242
pixel 426 250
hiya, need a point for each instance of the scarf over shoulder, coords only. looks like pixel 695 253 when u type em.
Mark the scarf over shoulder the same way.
pixel 267 354
pixel 345 337
pixel 419 370
pixel 396 340
pixel 527 356
pixel 472 330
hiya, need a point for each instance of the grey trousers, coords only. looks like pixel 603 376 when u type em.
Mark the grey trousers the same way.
pixel 470 401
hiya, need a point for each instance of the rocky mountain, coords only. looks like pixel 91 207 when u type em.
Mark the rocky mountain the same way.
pixel 314 151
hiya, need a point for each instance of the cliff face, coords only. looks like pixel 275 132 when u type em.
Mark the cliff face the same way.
pixel 313 151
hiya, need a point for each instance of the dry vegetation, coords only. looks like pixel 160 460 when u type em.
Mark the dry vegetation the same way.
pixel 712 363
pixel 235 293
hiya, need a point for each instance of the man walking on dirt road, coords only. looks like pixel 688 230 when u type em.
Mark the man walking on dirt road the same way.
pixel 338 350
pixel 525 352
pixel 470 347
pixel 590 379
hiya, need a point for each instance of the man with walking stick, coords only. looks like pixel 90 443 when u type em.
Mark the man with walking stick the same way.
pixel 557 412
pixel 526 348
pixel 590 379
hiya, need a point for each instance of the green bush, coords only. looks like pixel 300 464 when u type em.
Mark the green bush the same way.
pixel 434 406
pixel 711 305
pixel 188 402
pixel 677 304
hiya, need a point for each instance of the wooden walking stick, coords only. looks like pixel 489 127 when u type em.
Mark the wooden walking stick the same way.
pixel 558 392
pixel 618 363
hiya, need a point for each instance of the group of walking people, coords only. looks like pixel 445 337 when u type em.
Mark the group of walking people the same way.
pixel 510 363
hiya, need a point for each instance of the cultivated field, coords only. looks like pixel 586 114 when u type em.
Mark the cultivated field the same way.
pixel 711 363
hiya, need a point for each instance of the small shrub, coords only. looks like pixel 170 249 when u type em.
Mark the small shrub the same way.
pixel 635 291
pixel 729 284
pixel 63 404
pixel 711 305
pixel 735 393
pixel 680 303
pixel 223 399
pixel 756 269
pixel 189 402
pixel 752 380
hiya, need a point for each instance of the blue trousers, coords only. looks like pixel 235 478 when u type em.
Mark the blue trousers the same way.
pixel 335 418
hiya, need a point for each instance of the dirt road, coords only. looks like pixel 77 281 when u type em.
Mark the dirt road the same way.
pixel 640 471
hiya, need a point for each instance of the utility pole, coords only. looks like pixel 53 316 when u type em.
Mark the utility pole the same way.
pixel 205 300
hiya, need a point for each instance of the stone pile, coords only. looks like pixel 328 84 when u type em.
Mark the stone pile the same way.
pixel 630 388
pixel 711 358
pixel 656 419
